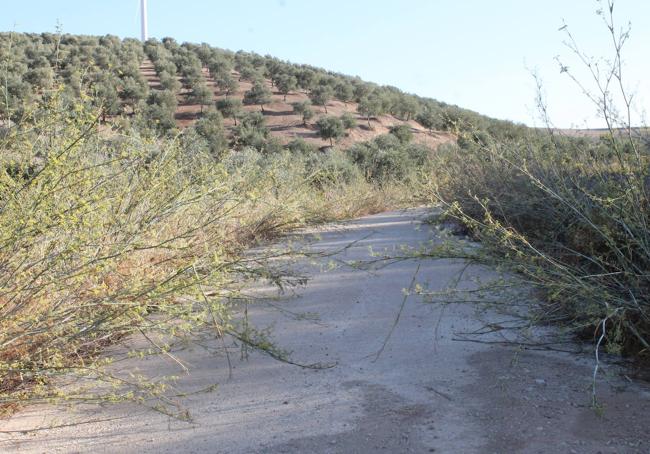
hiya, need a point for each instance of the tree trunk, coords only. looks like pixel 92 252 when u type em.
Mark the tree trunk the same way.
pixel 262 106
pixel 331 142
pixel 325 105
pixel 368 118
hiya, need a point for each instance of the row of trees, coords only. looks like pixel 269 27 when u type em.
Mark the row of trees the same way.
pixel 320 85
pixel 109 69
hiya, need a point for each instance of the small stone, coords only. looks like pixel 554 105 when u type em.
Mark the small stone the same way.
pixel 540 381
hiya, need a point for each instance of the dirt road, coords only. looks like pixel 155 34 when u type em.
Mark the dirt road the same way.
pixel 425 393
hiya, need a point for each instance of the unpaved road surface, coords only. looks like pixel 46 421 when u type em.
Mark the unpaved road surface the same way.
pixel 425 393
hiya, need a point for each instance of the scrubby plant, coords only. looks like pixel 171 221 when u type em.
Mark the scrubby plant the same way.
pixel 568 217
pixel 107 239
pixel 402 132
pixel 97 239
pixel 348 120
pixel 251 132
pixel 302 147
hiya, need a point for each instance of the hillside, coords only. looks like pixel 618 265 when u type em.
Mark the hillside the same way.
pixel 285 124
pixel 164 86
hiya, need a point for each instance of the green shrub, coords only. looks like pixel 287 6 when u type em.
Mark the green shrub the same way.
pixel 330 168
pixel 570 216
pixel 301 147
pixel 402 132
pixel 386 159
pixel 349 121
pixel 331 128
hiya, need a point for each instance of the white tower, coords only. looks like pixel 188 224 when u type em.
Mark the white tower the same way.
pixel 143 11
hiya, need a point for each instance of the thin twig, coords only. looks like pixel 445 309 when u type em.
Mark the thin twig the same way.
pixel 399 314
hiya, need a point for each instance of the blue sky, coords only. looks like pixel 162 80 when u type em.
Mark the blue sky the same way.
pixel 478 54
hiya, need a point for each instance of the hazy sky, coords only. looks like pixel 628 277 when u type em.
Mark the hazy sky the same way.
pixel 478 54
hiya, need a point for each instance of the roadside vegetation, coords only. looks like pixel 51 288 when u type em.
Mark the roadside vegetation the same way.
pixel 109 233
pixel 568 217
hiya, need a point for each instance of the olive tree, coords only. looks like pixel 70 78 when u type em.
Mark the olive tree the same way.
pixel 252 132
pixel 304 110
pixel 286 83
pixel 201 93
pixel 306 78
pixel 370 106
pixel 133 91
pixel 250 73
pixel 226 83
pixel 259 94
pixel 106 97
pixel 344 92
pixel 321 95
pixel 406 107
pixel 168 81
pixel 230 108
pixel 331 128
pixel 161 108
pixel 210 128
pixel 428 119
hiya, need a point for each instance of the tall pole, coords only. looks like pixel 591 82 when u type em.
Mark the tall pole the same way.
pixel 143 11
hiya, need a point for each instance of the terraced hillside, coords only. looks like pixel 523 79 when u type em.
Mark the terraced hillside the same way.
pixel 162 86
pixel 287 125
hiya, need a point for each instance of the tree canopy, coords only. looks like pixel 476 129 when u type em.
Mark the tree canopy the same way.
pixel 331 128
pixel 259 94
